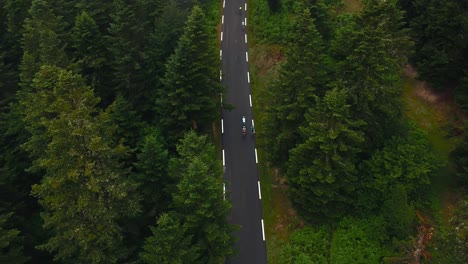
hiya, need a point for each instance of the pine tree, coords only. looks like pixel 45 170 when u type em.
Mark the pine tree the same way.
pixel 322 170
pixel 85 191
pixel 161 42
pixel 126 63
pixel 440 30
pixel 9 57
pixel 302 76
pixel 168 243
pixel 10 246
pixel 151 168
pixel 191 83
pixel 370 51
pixel 41 41
pixel 198 200
pixel 89 53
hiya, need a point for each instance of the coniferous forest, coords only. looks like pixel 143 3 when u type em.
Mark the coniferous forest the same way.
pixel 363 177
pixel 106 107
pixel 107 112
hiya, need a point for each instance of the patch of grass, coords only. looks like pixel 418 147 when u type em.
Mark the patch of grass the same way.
pixel 352 6
pixel 439 119
pixel 429 117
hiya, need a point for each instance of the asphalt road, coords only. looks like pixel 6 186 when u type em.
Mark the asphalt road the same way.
pixel 239 153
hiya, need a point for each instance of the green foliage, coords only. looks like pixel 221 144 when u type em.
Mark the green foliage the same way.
pixel 152 175
pixel 169 26
pixel 9 58
pixel 461 93
pixel 41 41
pixel 370 49
pixel 307 245
pixel 84 191
pixel 398 214
pixel 321 171
pixel 460 158
pixel 169 243
pixel 450 246
pixel 191 82
pixel 409 161
pixel 198 200
pixel 440 30
pixel 300 77
pixel 271 26
pixel 89 52
pixel 358 241
pixel 10 244
pixel 124 47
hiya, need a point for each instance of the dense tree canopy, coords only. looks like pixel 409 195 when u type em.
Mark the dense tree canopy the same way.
pixel 191 83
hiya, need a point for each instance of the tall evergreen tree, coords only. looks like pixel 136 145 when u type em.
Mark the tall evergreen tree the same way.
pixel 322 170
pixel 41 42
pixel 10 52
pixel 302 76
pixel 152 172
pixel 161 42
pixel 89 54
pixel 371 50
pixel 440 30
pixel 126 61
pixel 198 200
pixel 169 243
pixel 85 191
pixel 10 245
pixel 191 83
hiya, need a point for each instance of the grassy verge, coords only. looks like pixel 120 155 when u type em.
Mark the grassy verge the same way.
pixel 439 117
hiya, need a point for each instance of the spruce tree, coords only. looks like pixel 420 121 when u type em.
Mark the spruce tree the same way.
pixel 126 63
pixel 191 84
pixel 301 77
pixel 440 30
pixel 85 191
pixel 370 50
pixel 198 200
pixel 321 171
pixel 10 243
pixel 168 243
pixel 89 53
pixel 152 175
pixel 41 41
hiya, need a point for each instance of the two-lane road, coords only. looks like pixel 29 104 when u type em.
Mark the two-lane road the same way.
pixel 239 153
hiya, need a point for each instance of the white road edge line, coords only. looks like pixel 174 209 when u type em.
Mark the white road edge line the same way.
pixel 248 77
pixel 247 56
pixel 259 191
pixel 220 75
pixel 263 231
pixel 245 23
pixel 222 19
pixel 221 54
pixel 221 36
pixel 224 159
pixel 253 124
pixel 224 3
pixel 222 126
pixel 246 38
pixel 250 99
pixel 256 159
pixel 245 7
pixel 224 191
